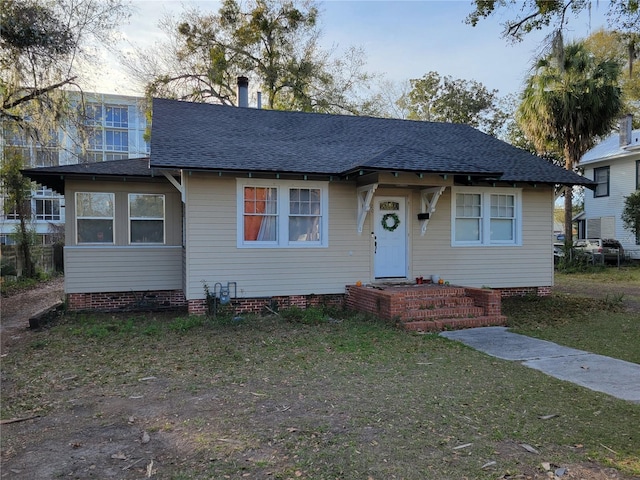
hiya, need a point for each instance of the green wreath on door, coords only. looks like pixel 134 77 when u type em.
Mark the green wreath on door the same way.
pixel 394 225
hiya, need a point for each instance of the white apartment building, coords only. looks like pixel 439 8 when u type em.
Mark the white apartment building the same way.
pixel 114 127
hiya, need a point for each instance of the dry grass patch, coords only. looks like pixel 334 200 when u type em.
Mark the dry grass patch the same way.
pixel 597 311
pixel 321 395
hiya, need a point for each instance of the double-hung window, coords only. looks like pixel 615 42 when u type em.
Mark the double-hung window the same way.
pixel 502 220
pixel 146 218
pixel 305 214
pixel 468 217
pixel 282 214
pixel 601 177
pixel 260 215
pixel 94 217
pixel 481 217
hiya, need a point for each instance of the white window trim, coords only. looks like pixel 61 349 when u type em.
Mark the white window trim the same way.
pixel 283 187
pixel 485 219
pixel 607 183
pixel 164 220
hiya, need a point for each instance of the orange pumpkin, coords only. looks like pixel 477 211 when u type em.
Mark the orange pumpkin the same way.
pixel 441 282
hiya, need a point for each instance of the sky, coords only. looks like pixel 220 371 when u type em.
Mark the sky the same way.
pixel 401 40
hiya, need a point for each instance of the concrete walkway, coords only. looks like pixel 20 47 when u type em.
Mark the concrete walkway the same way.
pixel 603 374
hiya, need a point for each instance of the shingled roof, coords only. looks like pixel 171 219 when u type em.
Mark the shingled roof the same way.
pixel 198 136
pixel 195 136
pixel 54 177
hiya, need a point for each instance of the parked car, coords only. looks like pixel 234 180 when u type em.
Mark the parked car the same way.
pixel 558 252
pixel 611 250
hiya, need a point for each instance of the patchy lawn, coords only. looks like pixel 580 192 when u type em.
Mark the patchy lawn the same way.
pixel 316 395
pixel 597 311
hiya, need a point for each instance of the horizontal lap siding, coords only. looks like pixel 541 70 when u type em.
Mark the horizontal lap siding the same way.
pixel 213 255
pixel 622 182
pixel 122 269
pixel 528 265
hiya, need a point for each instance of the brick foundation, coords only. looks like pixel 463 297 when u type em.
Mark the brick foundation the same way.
pixel 262 304
pixel 397 304
pixel 524 291
pixel 110 301
pixel 197 307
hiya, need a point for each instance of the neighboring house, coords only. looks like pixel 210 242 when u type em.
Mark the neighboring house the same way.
pixel 290 205
pixel 114 129
pixel 614 164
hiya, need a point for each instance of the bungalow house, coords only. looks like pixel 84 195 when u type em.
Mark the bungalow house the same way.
pixel 294 207
pixel 614 164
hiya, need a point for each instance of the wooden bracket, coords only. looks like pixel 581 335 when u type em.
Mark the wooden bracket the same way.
pixel 365 195
pixel 429 199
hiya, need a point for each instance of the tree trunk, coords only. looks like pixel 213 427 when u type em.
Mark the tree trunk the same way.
pixel 568 200
pixel 25 247
pixel 568 214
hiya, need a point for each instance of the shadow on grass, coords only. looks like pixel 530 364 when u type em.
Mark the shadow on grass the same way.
pixel 556 309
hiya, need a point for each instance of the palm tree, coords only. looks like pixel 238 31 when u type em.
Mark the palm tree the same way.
pixel 568 102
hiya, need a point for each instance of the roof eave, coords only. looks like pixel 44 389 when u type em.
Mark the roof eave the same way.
pixel 57 180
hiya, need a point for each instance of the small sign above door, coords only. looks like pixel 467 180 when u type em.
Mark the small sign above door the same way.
pixel 389 206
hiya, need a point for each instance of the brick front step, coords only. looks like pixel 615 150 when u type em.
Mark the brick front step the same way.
pixel 428 307
pixel 437 302
pixel 465 311
pixel 453 323
pixel 421 291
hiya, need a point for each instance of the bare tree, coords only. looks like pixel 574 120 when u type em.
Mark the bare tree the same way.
pixel 273 42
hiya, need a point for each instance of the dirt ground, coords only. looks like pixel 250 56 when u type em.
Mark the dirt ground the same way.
pixel 16 310
pixel 96 435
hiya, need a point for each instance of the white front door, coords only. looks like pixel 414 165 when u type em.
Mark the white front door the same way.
pixel 390 237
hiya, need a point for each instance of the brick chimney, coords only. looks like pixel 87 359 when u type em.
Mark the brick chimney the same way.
pixel 625 130
pixel 243 92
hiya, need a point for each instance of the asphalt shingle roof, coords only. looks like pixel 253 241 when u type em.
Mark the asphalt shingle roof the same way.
pixel 53 177
pixel 198 136
pixel 188 135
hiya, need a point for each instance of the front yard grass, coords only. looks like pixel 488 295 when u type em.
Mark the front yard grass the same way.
pixel 318 396
pixel 597 311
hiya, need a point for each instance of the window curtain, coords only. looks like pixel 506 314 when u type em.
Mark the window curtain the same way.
pixel 267 230
pixel 260 209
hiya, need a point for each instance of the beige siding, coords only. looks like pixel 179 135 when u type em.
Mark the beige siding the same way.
pixel 212 254
pixel 173 207
pixel 122 269
pixel 530 264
